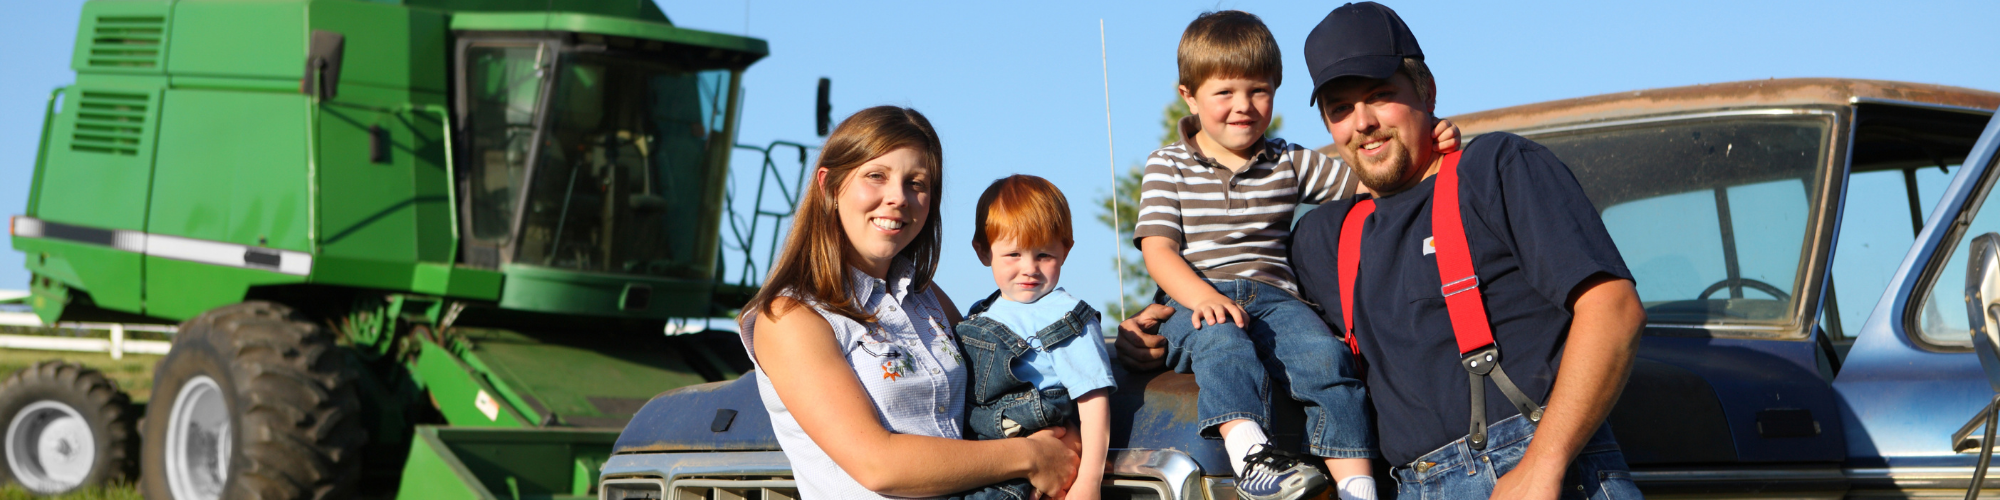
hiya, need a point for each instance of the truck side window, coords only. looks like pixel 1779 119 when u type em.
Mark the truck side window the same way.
pixel 1875 232
pixel 1940 320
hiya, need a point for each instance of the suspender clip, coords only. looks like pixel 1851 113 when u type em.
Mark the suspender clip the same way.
pixel 1460 286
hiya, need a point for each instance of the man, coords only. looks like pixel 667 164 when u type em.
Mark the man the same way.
pixel 1549 286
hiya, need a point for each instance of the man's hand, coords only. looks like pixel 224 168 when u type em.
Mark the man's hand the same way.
pixel 1523 484
pixel 1140 345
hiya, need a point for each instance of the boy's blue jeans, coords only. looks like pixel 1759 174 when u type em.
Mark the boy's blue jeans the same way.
pixel 1456 471
pixel 1286 343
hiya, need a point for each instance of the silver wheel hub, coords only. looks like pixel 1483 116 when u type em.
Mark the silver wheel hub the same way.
pixel 49 447
pixel 198 438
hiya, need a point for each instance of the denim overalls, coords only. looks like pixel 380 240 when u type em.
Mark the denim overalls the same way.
pixel 1000 404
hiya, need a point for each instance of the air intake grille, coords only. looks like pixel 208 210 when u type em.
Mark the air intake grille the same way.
pixel 127 42
pixel 109 122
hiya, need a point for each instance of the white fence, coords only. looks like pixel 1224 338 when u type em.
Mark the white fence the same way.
pixel 116 345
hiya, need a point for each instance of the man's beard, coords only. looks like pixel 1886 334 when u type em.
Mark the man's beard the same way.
pixel 1386 175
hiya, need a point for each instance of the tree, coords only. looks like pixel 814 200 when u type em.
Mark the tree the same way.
pixel 1138 284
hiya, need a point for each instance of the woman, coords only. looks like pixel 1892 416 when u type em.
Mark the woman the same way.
pixel 866 389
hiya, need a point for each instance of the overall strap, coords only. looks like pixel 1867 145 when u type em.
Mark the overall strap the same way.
pixel 1349 264
pixel 1469 325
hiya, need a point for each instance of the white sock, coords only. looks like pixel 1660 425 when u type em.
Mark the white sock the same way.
pixel 1357 488
pixel 1239 440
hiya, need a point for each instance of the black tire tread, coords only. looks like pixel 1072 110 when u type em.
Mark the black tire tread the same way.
pixel 299 415
pixel 105 406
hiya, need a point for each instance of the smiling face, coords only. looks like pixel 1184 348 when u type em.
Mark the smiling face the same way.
pixel 882 206
pixel 1234 113
pixel 1382 129
pixel 1025 274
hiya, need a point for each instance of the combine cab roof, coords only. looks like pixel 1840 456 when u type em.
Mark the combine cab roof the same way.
pixel 1719 96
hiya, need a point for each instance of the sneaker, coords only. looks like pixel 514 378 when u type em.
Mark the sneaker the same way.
pixel 1273 474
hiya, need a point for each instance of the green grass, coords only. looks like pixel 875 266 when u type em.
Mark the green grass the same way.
pixel 14 492
pixel 134 374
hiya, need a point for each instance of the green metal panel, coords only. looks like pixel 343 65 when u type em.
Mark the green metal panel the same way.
pixel 367 209
pixel 123 37
pixel 238 38
pixel 457 389
pixel 433 461
pixel 605 25
pixel 505 463
pixel 111 276
pixel 620 8
pixel 386 46
pixel 178 290
pixel 452 281
pixel 232 169
pixel 542 289
pixel 100 156
pixel 623 372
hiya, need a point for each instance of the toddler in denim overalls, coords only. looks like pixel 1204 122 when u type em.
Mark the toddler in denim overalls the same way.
pixel 1036 354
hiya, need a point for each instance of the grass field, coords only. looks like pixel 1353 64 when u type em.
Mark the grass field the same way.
pixel 14 492
pixel 134 374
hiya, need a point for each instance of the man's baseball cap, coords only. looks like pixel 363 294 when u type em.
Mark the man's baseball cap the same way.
pixel 1358 39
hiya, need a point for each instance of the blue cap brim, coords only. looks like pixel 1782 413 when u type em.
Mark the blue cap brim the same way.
pixel 1379 67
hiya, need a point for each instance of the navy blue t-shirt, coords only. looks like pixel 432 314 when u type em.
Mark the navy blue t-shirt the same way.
pixel 1533 237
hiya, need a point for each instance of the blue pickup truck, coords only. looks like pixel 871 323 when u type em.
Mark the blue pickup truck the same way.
pixel 1801 248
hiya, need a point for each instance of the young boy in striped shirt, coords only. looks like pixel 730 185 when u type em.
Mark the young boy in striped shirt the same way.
pixel 1214 220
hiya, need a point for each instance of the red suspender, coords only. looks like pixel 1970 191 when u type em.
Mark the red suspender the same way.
pixel 1454 261
pixel 1350 263
pixel 1469 324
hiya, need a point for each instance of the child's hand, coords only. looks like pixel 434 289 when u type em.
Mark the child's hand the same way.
pixel 1085 488
pixel 1217 309
pixel 1447 136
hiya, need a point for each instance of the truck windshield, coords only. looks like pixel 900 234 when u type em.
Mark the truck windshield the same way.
pixel 627 152
pixel 1711 215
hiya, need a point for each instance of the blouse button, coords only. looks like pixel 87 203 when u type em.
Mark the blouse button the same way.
pixel 940 409
pixel 892 307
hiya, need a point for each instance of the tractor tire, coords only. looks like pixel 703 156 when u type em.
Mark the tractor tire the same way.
pixel 68 427
pixel 253 402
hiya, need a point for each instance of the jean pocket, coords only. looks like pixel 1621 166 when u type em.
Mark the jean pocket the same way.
pixel 1616 485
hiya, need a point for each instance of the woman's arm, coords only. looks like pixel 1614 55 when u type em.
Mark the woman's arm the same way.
pixel 1093 412
pixel 804 363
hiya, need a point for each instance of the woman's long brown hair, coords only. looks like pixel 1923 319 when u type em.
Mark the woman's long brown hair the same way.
pixel 812 268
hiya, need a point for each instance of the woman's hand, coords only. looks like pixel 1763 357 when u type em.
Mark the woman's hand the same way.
pixel 1054 454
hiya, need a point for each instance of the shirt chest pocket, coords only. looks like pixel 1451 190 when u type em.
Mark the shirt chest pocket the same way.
pixel 878 360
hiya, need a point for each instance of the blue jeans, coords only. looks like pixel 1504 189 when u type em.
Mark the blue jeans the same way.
pixel 1286 342
pixel 1456 471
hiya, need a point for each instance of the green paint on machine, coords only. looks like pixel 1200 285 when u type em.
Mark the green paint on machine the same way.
pixel 494 207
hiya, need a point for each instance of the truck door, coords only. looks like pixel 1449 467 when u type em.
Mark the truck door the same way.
pixel 1911 379
pixel 1722 218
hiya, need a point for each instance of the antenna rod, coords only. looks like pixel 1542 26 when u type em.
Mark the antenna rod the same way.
pixel 1111 157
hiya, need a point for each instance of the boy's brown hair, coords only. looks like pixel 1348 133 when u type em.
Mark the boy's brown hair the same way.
pixel 1026 209
pixel 1230 43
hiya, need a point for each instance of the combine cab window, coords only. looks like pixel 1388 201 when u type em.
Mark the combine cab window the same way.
pixel 504 88
pixel 1711 215
pixel 626 179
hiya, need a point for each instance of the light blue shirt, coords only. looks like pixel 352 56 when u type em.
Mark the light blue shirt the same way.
pixel 905 360
pixel 1079 364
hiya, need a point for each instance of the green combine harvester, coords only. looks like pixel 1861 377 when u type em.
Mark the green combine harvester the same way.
pixel 416 248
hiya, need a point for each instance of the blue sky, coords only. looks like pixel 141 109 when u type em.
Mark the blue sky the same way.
pixel 1016 87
